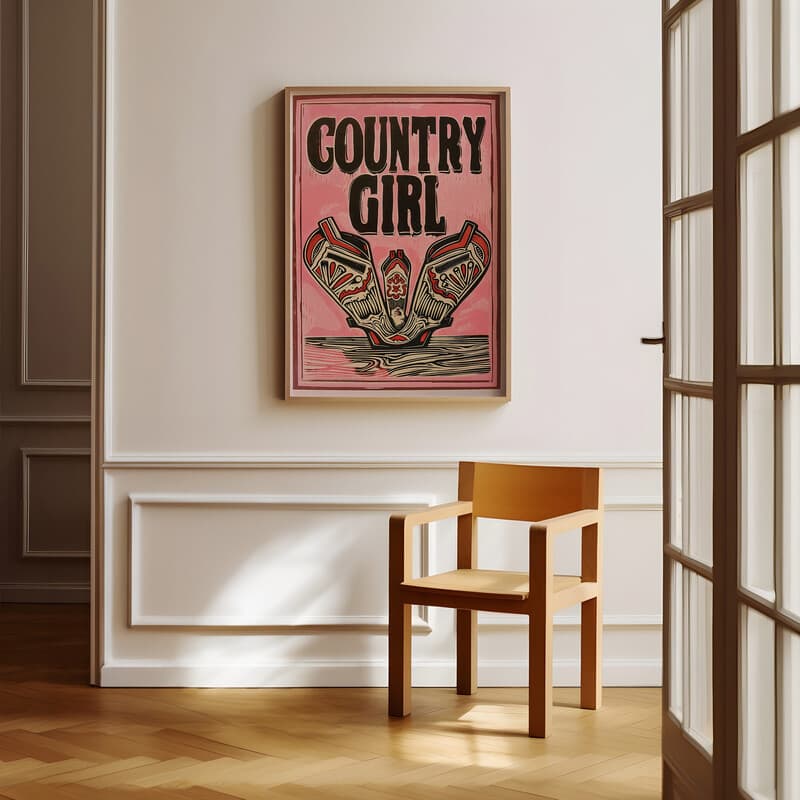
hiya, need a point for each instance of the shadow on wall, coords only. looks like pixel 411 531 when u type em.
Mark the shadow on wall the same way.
pixel 268 210
pixel 321 573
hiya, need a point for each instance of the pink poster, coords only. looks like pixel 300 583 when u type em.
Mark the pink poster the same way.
pixel 396 242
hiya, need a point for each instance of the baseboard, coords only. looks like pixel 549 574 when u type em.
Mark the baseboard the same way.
pixel 44 593
pixel 566 672
pixel 616 672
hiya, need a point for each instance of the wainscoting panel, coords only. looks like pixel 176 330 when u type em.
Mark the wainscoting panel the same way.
pixel 44 467
pixel 55 502
pixel 275 575
pixel 271 564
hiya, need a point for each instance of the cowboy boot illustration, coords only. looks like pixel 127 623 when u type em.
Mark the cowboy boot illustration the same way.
pixel 453 267
pixel 396 270
pixel 341 263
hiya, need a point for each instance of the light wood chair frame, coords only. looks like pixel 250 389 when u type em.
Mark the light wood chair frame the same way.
pixel 539 604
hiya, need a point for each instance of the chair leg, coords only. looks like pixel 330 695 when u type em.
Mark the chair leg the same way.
pixel 466 652
pixel 540 673
pixel 591 653
pixel 399 659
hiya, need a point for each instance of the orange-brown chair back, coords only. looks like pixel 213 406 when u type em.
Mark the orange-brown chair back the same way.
pixel 528 493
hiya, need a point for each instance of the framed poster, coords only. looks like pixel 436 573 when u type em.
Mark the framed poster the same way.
pixel 397 243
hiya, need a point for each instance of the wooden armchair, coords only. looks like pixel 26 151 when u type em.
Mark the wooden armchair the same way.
pixel 555 500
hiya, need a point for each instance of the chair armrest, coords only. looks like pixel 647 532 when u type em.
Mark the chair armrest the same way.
pixel 567 522
pixel 401 528
pixel 445 511
pixel 541 549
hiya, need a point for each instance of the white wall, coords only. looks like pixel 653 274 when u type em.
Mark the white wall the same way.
pixel 195 334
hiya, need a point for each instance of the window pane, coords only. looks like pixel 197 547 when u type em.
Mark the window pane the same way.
pixel 700 478
pixel 755 63
pixel 757 764
pixel 700 306
pixel 758 489
pixel 691 296
pixel 676 641
pixel 790 563
pixel 677 433
pixel 676 292
pixel 790 241
pixel 691 475
pixel 700 722
pixel 701 295
pixel 698 90
pixel 676 111
pixel 690 102
pixel 757 336
pixel 789 723
pixel 790 57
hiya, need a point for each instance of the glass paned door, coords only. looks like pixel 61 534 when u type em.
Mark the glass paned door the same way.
pixel 688 397
pixel 731 194
pixel 768 385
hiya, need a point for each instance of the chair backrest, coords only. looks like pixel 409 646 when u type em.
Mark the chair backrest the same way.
pixel 528 493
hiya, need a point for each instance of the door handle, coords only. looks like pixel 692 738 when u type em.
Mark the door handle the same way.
pixel 654 339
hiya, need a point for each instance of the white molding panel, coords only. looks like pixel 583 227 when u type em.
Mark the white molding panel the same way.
pixel 359 622
pixel 654 503
pixel 404 462
pixel 27 454
pixel 155 640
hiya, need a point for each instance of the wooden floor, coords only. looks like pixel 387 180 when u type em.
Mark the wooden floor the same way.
pixel 61 739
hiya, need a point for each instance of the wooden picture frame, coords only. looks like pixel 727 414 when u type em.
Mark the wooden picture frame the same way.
pixel 397 243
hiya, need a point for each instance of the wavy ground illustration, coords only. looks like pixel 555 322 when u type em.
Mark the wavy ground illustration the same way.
pixel 336 357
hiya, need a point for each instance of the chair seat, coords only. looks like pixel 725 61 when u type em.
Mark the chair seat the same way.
pixel 500 585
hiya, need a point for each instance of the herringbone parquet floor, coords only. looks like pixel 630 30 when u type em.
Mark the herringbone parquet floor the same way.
pixel 62 740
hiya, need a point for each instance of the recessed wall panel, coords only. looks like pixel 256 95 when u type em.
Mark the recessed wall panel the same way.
pixel 249 561
pixel 56 485
pixel 56 192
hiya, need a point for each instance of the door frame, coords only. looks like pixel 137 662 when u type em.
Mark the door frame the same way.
pixel 725 638
pixel 692 768
pixel 99 131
